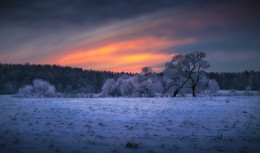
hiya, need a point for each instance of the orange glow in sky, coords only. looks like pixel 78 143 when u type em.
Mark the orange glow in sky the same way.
pixel 128 56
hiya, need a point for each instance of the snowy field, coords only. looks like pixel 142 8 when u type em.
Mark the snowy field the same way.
pixel 118 125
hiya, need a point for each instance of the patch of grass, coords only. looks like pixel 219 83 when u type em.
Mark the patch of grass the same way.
pixel 57 150
pixel 227 100
pixel 100 136
pixel 51 146
pixel 175 148
pixel 2 145
pixel 150 151
pixel 162 145
pixel 101 124
pixel 132 145
pixel 76 151
pixel 219 137
pixel 16 140
pixel 13 118
pixel 129 127
pixel 220 149
pixel 91 142
pixel 88 126
pixel 243 149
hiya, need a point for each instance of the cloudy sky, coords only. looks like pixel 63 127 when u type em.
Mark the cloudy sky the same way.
pixel 126 35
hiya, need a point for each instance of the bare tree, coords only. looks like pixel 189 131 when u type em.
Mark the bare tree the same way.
pixel 198 64
pixel 185 68
pixel 147 70
pixel 177 73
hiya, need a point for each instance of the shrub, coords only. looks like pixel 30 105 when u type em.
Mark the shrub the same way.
pixel 213 87
pixel 247 91
pixel 40 88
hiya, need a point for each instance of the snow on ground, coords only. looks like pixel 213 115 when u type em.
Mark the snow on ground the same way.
pixel 117 125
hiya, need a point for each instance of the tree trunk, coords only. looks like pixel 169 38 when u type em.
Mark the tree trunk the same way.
pixel 193 91
pixel 175 93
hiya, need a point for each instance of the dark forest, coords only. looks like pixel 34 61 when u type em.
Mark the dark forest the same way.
pixel 77 80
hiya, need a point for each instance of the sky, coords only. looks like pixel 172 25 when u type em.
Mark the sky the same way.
pixel 126 35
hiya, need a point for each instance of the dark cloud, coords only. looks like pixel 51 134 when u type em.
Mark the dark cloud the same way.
pixel 59 13
pixel 48 25
pixel 79 11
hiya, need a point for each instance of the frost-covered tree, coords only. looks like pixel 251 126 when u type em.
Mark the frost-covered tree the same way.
pixel 43 88
pixel 40 88
pixel 145 84
pixel 202 85
pixel 213 87
pixel 183 69
pixel 110 89
pixel 140 86
pixel 154 85
pixel 26 91
pixel 128 87
pixel 247 91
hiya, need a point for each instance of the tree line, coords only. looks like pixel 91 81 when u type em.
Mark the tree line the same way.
pixel 65 79
pixel 185 73
pixel 237 80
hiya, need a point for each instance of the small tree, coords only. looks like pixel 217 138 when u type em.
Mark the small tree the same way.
pixel 147 70
pixel 43 88
pixel 247 91
pixel 213 87
pixel 146 84
pixel 40 88
pixel 127 87
pixel 26 91
pixel 110 89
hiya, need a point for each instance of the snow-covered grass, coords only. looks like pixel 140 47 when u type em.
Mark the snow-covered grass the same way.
pixel 116 125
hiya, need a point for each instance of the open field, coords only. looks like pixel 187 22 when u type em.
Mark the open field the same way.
pixel 116 125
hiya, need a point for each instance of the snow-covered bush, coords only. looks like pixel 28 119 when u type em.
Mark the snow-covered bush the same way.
pixel 247 91
pixel 127 87
pixel 26 91
pixel 40 88
pixel 109 88
pixel 112 87
pixel 213 87
pixel 232 92
pixel 135 86
pixel 150 86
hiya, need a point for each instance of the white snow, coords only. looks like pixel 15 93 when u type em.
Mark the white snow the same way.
pixel 174 125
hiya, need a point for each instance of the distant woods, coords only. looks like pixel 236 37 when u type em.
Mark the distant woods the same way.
pixel 65 79
pixel 237 80
pixel 183 72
